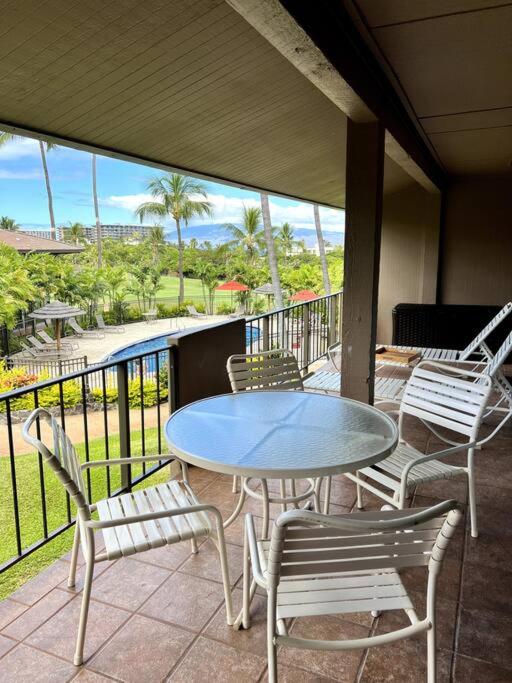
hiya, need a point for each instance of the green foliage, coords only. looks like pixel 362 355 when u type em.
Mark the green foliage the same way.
pixel 7 223
pixel 15 285
pixel 134 398
pixel 225 309
pixel 16 378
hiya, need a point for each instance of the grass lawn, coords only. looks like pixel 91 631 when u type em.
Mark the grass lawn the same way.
pixel 29 501
pixel 170 287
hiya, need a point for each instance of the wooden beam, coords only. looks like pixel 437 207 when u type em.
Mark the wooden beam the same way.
pixel 363 220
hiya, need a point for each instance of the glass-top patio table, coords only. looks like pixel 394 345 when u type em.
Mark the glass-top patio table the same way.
pixel 285 435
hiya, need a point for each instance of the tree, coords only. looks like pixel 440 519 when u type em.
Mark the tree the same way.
pixel 321 250
pixel 155 241
pixel 15 284
pixel 180 198
pixel 43 148
pixel 99 244
pixel 286 237
pixel 7 223
pixel 75 232
pixel 271 252
pixel 250 235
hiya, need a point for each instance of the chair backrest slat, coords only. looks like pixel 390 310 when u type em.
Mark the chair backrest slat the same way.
pixel 486 331
pixel 500 356
pixel 277 369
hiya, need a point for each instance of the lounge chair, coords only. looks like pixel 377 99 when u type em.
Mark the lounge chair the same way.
pixel 52 343
pixel 32 354
pixel 117 329
pixel 239 313
pixel 63 352
pixel 80 332
pixel 195 313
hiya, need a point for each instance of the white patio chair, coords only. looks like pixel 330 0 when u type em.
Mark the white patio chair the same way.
pixel 52 343
pixel 31 353
pixel 80 332
pixel 63 352
pixel 132 522
pixel 319 565
pixel 115 329
pixel 439 397
pixel 195 313
pixel 266 371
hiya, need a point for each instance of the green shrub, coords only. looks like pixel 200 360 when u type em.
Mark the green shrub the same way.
pixel 110 395
pixel 225 309
pixel 149 388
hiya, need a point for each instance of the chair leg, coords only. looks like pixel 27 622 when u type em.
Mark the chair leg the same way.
pixel 282 490
pixel 359 495
pixel 84 612
pixel 271 645
pixel 74 555
pixel 235 484
pixel 472 497
pixel 246 586
pixel 327 499
pixel 431 655
pixel 193 544
pixel 223 556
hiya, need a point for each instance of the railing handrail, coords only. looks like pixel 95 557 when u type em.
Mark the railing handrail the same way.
pixel 289 308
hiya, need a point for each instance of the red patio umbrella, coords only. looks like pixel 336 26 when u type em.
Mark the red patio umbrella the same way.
pixel 304 295
pixel 232 286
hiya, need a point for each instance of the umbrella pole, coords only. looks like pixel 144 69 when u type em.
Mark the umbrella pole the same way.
pixel 57 333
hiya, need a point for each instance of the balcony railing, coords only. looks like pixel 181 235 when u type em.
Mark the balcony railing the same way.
pixel 118 409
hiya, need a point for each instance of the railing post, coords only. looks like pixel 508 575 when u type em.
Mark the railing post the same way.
pixel 305 336
pixel 172 379
pixel 124 423
pixel 331 338
pixel 265 334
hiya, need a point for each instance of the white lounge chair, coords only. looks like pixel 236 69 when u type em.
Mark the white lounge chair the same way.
pixel 80 332
pixel 319 565
pixel 63 352
pixel 52 343
pixel 115 329
pixel 39 356
pixel 195 313
pixel 441 397
pixel 131 523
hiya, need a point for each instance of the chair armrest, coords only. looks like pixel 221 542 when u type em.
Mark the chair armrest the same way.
pixel 253 550
pixel 438 455
pixel 148 516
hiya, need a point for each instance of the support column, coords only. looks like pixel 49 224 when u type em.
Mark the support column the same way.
pixel 363 220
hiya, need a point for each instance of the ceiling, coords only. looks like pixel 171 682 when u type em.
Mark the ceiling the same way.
pixel 451 60
pixel 186 84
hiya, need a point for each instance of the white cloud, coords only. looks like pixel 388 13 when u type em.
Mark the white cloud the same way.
pixel 229 209
pixel 20 175
pixel 19 148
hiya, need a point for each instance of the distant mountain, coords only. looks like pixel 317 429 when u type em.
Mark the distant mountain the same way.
pixel 216 233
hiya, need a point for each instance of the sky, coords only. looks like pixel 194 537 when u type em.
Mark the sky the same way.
pixel 121 188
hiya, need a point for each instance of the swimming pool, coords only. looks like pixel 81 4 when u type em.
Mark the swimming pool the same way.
pixel 252 333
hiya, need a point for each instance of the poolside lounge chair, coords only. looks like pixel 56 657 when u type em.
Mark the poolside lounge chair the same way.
pixel 117 329
pixel 36 355
pixel 52 343
pixel 131 523
pixel 80 332
pixel 239 313
pixel 63 352
pixel 195 313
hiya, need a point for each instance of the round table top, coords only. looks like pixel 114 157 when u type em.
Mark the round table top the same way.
pixel 280 434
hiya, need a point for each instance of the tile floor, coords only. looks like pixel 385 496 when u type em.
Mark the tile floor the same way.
pixel 159 616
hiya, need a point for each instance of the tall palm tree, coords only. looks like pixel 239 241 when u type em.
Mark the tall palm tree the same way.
pixel 43 148
pixel 286 237
pixel 99 244
pixel 7 223
pixel 180 198
pixel 321 250
pixel 271 250
pixel 75 232
pixel 249 235
pixel 155 240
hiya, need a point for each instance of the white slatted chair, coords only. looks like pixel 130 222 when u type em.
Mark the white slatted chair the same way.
pixel 102 325
pixel 80 332
pixel 132 522
pixel 319 565
pixel 440 397
pixel 266 371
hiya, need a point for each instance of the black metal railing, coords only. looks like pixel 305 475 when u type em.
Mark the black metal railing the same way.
pixel 307 329
pixel 111 410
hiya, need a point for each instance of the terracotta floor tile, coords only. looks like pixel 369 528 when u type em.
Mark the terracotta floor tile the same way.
pixel 25 665
pixel 41 584
pixel 6 644
pixel 99 568
pixel 58 634
pixel 206 563
pixel 128 583
pixel 486 635
pixel 403 662
pixel 88 676
pixel 36 615
pixel 209 660
pixel 486 588
pixel 289 674
pixel 9 611
pixel 185 600
pixel 168 556
pixel 339 666
pixel 415 579
pixel 489 551
pixel 493 498
pixel 143 650
pixel 467 670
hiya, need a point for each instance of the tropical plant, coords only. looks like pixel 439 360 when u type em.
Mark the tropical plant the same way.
pixel 271 251
pixel 44 147
pixel 286 238
pixel 7 223
pixel 321 250
pixel 15 284
pixel 249 236
pixel 155 241
pixel 116 290
pixel 179 197
pixel 75 233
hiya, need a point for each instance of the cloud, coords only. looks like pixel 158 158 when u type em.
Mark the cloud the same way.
pixel 229 209
pixel 20 175
pixel 19 148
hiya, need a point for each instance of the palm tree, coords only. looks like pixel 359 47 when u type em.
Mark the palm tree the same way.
pixel 250 235
pixel 181 198
pixel 155 240
pixel 43 148
pixel 99 244
pixel 321 250
pixel 286 237
pixel 75 232
pixel 271 251
pixel 7 223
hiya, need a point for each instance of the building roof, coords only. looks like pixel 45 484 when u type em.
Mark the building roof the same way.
pixel 25 243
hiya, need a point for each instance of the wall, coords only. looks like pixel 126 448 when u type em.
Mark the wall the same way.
pixel 476 256
pixel 409 253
